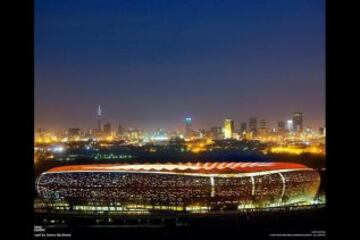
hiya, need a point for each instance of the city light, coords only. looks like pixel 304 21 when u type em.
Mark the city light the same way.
pixel 105 144
pixel 177 119
pixel 58 149
pixel 109 138
pixel 297 150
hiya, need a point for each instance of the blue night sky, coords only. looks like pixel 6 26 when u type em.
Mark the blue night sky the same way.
pixel 152 63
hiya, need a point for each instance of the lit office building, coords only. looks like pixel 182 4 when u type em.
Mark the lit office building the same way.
pixel 188 130
pixel 289 125
pixel 228 128
pixel 297 122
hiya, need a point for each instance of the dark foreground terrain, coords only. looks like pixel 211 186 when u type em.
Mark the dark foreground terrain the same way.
pixel 306 223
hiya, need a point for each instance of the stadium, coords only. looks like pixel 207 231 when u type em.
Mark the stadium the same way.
pixel 179 187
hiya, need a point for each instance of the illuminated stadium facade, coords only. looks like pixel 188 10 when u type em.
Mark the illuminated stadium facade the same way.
pixel 184 187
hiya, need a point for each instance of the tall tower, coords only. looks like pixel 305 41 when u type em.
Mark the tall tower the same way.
pixel 228 128
pixel 99 116
pixel 297 121
pixel 290 125
pixel 188 131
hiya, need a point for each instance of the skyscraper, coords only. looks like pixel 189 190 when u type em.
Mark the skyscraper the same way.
pixel 228 128
pixel 262 127
pixel 297 122
pixel 253 125
pixel 262 123
pixel 99 116
pixel 216 132
pixel 188 130
pixel 281 126
pixel 289 125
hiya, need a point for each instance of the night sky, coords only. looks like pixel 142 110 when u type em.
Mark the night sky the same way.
pixel 149 64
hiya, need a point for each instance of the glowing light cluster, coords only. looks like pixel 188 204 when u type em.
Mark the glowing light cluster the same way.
pixel 199 146
pixel 109 138
pixel 297 150
pixel 46 139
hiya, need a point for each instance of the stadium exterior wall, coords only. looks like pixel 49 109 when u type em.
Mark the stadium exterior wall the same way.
pixel 179 190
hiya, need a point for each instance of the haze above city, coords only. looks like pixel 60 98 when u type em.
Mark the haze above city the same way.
pixel 150 64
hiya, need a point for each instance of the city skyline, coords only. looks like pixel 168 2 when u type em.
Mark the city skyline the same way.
pixel 151 64
pixel 187 124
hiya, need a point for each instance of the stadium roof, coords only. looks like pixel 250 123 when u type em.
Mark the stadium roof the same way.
pixel 203 168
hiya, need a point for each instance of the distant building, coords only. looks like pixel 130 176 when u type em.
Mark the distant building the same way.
pixel 297 122
pixel 322 131
pixel 262 127
pixel 188 130
pixel 262 123
pixel 281 126
pixel 158 135
pixel 135 134
pixel 40 131
pixel 74 132
pixel 243 128
pixel 202 133
pixel 90 132
pixel 107 128
pixel 216 133
pixel 289 125
pixel 253 125
pixel 228 128
pixel 121 130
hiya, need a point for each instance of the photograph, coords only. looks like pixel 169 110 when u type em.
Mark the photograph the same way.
pixel 179 119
